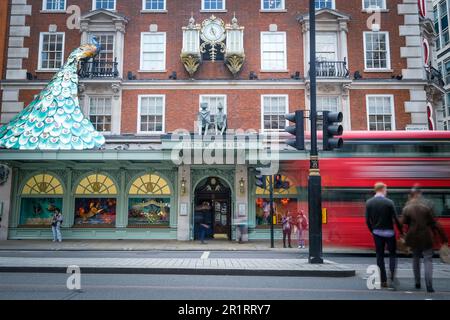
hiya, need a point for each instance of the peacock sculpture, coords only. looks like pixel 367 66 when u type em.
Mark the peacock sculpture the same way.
pixel 54 120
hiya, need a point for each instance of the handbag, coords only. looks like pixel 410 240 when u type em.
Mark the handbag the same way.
pixel 444 254
pixel 402 247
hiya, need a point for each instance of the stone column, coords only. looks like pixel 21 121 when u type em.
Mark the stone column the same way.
pixel 305 31
pixel 241 173
pixel 184 204
pixel 68 212
pixel 119 50
pixel 122 212
pixel 343 42
pixel 6 190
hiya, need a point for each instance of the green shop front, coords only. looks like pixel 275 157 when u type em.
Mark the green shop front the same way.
pixel 135 194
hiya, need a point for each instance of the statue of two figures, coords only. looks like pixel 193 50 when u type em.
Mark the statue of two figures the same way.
pixel 219 123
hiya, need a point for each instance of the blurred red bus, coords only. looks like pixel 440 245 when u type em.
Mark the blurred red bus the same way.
pixel 399 159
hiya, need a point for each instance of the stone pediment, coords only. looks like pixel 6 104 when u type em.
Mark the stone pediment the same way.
pixel 325 15
pixel 103 16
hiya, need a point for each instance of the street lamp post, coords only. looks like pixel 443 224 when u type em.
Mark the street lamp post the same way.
pixel 314 180
pixel 272 240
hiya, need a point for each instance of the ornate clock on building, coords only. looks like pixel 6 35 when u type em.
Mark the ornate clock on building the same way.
pixel 213 35
pixel 218 42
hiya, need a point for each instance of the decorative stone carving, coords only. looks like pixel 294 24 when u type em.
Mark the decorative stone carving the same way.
pixel 191 62
pixel 346 89
pixel 235 62
pixel 81 88
pixel 199 174
pixel 116 88
pixel 4 173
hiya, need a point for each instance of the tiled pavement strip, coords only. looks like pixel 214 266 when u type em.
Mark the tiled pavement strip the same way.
pixel 295 266
pixel 274 267
pixel 261 264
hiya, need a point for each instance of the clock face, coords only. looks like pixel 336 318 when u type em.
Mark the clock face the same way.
pixel 213 32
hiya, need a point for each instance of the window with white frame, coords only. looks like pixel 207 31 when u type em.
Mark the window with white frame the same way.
pixel 327 103
pixel 54 5
pixel 272 4
pixel 380 113
pixel 376 53
pixel 324 4
pixel 153 51
pixel 51 50
pixel 107 43
pixel 273 51
pixel 151 114
pixel 274 110
pixel 154 5
pixel 213 5
pixel 100 113
pixel 374 4
pixel 214 101
pixel 326 46
pixel 104 4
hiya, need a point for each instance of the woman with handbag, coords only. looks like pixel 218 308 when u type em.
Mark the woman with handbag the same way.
pixel 418 216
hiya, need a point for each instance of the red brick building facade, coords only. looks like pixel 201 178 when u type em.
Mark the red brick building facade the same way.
pixel 343 26
pixel 160 61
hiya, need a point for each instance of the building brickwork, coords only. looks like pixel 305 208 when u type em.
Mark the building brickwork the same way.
pixel 347 20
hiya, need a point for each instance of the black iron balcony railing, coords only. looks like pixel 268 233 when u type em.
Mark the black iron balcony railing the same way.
pixel 435 76
pixel 99 69
pixel 332 69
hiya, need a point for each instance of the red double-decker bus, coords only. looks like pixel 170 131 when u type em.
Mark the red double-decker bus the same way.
pixel 399 159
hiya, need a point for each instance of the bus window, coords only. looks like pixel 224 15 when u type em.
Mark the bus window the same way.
pixel 441 203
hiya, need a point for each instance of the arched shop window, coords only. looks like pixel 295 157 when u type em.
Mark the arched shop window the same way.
pixel 149 202
pixel 285 199
pixel 40 197
pixel 95 202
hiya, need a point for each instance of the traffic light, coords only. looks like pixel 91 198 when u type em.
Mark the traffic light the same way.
pixel 260 180
pixel 279 183
pixel 298 130
pixel 331 129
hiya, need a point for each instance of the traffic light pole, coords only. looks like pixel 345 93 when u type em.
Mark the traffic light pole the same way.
pixel 272 240
pixel 314 180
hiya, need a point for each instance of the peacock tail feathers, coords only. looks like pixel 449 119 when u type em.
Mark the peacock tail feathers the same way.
pixel 54 120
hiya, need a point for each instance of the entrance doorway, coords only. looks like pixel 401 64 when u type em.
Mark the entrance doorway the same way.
pixel 212 206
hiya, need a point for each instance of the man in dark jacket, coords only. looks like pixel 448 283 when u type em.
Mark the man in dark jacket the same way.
pixel 418 216
pixel 380 219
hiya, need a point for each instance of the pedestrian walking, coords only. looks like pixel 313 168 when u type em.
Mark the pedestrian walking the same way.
pixel 380 219
pixel 57 221
pixel 419 217
pixel 302 227
pixel 287 229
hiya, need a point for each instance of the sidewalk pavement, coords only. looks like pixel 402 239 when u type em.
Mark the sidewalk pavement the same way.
pixel 229 267
pixel 199 266
pixel 159 245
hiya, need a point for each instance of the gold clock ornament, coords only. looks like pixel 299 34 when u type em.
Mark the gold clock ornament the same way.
pixel 213 35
